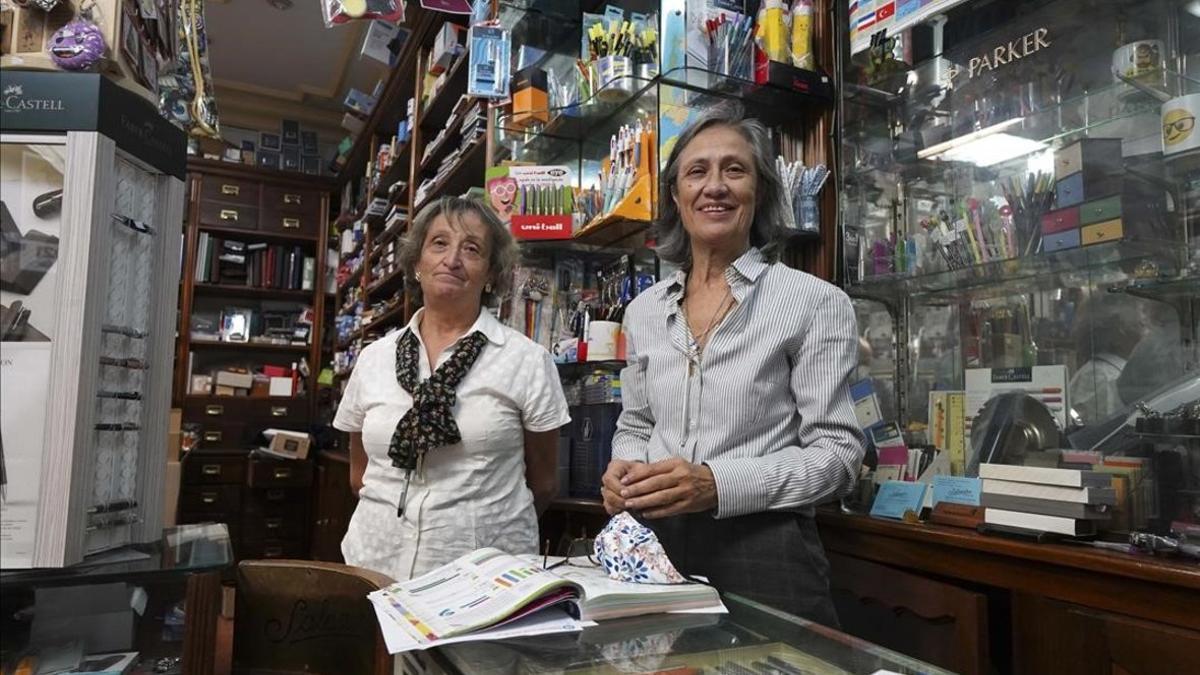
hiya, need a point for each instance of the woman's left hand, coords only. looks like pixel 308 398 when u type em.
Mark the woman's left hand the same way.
pixel 669 488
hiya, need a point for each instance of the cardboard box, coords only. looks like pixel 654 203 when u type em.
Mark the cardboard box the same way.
pixel 530 101
pixel 174 435
pixel 229 378
pixel 281 386
pixel 201 384
pixel 291 444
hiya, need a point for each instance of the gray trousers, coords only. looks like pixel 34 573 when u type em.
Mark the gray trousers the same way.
pixel 774 558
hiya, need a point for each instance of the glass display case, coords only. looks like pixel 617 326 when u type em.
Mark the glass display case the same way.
pixel 158 599
pixel 1020 187
pixel 752 638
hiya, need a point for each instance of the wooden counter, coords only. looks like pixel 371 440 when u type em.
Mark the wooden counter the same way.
pixel 1035 608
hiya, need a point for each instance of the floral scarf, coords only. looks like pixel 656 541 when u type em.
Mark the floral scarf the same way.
pixel 429 424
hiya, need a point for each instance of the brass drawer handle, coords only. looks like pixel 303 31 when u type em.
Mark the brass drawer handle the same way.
pixel 229 214
pixel 214 410
pixel 211 469
pixel 231 190
pixel 212 436
pixel 208 497
pixel 282 472
pixel 291 199
pixel 279 411
pixel 275 495
pixel 272 551
pixel 291 223
pixel 273 523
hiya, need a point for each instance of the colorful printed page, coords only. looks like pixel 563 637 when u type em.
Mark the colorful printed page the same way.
pixel 482 589
pixel 606 598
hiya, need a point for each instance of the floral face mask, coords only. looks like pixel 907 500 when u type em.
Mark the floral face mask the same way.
pixel 630 551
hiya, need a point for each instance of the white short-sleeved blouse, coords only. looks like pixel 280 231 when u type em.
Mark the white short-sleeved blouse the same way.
pixel 464 496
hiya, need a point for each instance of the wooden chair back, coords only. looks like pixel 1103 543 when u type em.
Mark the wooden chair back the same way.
pixel 300 616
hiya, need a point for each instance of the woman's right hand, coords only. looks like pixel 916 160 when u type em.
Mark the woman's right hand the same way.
pixel 610 488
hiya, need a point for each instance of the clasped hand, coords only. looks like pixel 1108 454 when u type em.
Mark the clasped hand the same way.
pixel 660 489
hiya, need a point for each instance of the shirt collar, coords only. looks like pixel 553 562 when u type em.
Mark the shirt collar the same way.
pixel 745 270
pixel 487 324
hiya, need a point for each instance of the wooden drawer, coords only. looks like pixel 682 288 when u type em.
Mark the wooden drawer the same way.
pixel 1068 160
pixel 280 526
pixel 275 411
pixel 224 214
pixel 214 499
pixel 1062 219
pixel 293 224
pixel 279 473
pixel 203 469
pixel 1060 241
pixel 271 548
pixel 278 199
pixel 1099 233
pixel 277 500
pixel 229 190
pixel 222 434
pixel 1100 210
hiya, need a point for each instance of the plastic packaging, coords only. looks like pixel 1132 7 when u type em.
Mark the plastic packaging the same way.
pixel 802 39
pixel 337 12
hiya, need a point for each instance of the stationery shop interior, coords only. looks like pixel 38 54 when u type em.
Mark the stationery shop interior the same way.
pixel 463 337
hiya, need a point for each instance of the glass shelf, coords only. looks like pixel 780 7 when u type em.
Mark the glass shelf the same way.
pixel 1071 267
pixel 1168 289
pixel 596 118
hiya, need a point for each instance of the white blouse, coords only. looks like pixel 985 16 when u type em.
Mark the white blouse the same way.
pixel 464 496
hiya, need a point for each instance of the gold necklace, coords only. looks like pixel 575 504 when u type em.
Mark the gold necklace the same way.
pixel 700 342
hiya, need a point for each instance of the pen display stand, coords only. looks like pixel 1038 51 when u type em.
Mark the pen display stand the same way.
pixel 93 227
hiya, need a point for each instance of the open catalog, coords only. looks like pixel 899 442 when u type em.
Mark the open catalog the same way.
pixel 491 595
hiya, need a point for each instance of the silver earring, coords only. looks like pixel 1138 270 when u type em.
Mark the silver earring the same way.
pixel 417 276
pixel 487 288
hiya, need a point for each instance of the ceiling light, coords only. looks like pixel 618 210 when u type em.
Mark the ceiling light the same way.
pixel 984 147
pixel 281 5
pixel 1193 8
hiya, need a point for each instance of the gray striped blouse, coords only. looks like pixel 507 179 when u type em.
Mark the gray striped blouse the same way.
pixel 766 405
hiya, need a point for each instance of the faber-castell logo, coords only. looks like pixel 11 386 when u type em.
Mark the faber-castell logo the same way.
pixel 14 101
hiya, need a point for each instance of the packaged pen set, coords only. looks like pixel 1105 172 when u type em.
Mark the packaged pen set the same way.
pixel 626 184
pixel 536 201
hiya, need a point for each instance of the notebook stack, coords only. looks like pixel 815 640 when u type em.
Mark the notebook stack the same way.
pixel 1034 499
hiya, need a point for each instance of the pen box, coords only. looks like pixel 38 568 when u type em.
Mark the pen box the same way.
pixel 530 103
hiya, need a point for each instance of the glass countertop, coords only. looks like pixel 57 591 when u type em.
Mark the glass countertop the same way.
pixel 183 550
pixel 751 639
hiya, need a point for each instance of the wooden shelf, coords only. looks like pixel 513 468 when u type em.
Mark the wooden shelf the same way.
pixel 247 346
pixel 259 235
pixel 396 90
pixel 396 171
pixel 384 320
pixel 608 232
pixel 433 115
pixel 466 174
pixel 252 292
pixel 386 282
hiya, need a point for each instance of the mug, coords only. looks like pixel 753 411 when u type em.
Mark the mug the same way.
pixel 602 340
pixel 1179 130
pixel 1141 60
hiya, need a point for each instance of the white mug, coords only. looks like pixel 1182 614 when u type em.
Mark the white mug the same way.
pixel 1179 130
pixel 602 340
pixel 1141 60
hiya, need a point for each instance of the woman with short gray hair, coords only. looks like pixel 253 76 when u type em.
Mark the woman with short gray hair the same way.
pixel 454 419
pixel 736 415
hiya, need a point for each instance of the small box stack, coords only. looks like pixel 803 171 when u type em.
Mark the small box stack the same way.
pixel 1034 499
